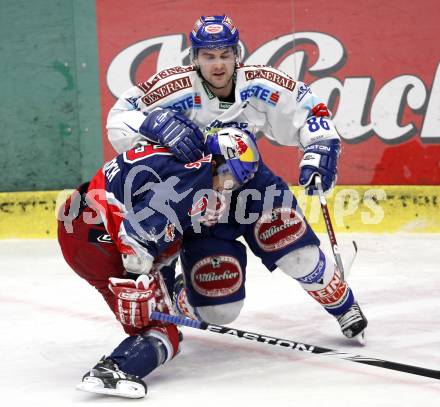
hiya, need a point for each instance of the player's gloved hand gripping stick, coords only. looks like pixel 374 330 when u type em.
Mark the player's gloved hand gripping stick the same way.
pixel 136 299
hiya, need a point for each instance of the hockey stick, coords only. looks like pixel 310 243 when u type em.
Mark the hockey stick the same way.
pixel 348 265
pixel 298 346
pixel 330 231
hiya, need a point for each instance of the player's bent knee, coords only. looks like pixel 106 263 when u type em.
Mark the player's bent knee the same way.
pixel 301 262
pixel 220 314
pixel 309 265
pixel 319 276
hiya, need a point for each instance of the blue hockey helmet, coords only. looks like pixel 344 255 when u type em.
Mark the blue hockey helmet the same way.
pixel 239 150
pixel 214 32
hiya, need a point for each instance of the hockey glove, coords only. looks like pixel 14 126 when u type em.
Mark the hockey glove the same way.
pixel 175 131
pixel 320 158
pixel 135 300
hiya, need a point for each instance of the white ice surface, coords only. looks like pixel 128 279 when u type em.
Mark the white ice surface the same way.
pixel 54 327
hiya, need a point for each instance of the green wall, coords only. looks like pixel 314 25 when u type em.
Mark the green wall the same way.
pixel 50 131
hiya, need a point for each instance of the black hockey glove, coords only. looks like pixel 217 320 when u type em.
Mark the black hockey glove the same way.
pixel 175 131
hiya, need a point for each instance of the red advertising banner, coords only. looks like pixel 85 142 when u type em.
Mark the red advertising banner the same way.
pixel 376 64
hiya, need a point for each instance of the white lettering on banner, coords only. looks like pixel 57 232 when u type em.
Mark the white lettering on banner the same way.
pixel 431 124
pixel 356 102
pixel 171 54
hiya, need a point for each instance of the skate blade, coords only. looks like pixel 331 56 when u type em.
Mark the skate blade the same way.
pixel 361 338
pixel 124 388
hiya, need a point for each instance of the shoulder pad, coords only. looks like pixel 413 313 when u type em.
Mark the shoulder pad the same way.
pixel 166 83
pixel 267 73
pixel 162 75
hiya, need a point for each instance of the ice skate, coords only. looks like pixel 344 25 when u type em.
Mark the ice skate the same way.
pixel 353 323
pixel 106 378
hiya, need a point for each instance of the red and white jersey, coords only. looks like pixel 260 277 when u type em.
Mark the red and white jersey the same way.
pixel 266 100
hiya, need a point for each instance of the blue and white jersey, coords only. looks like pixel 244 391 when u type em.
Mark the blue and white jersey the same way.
pixel 266 100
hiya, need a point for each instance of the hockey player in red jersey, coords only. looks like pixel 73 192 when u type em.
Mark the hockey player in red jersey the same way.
pixel 125 226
